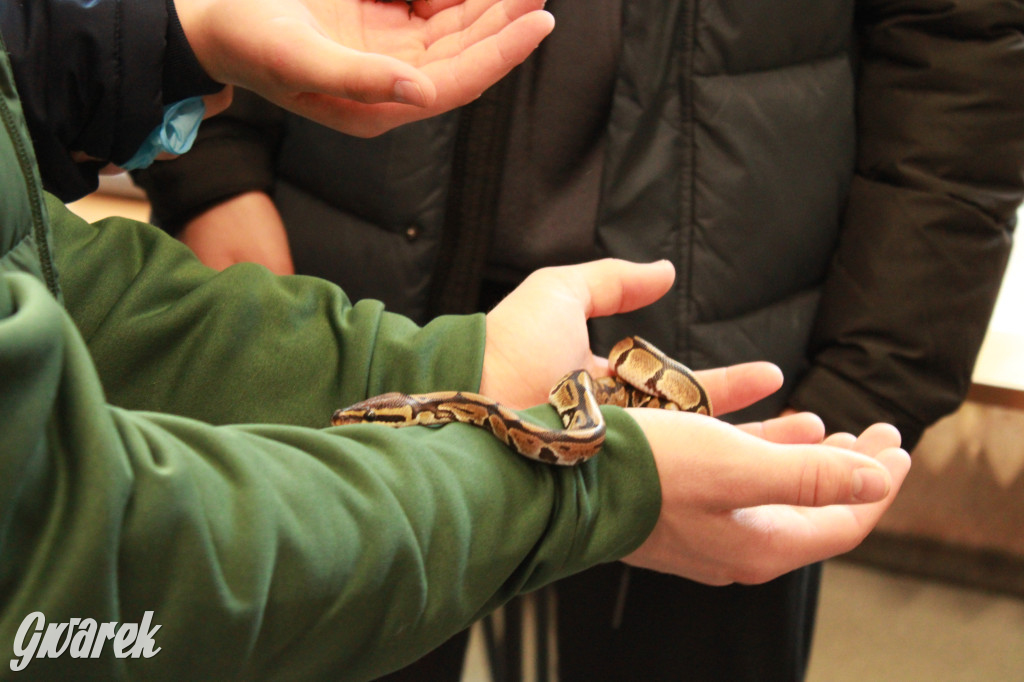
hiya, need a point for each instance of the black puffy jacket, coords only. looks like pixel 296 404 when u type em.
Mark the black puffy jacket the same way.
pixel 835 182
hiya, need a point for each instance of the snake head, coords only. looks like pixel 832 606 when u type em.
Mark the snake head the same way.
pixel 387 408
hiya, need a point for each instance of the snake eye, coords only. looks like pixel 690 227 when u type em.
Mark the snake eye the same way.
pixel 370 416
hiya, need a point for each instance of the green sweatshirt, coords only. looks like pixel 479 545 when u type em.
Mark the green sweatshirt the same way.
pixel 163 464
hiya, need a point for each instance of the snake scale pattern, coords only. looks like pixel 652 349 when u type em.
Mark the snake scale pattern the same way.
pixel 643 377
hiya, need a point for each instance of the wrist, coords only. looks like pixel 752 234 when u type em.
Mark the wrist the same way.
pixel 632 479
pixel 183 75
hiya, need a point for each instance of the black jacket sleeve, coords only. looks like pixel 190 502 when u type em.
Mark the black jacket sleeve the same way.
pixel 939 177
pixel 84 70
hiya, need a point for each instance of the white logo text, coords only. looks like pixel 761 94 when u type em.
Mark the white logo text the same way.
pixel 81 638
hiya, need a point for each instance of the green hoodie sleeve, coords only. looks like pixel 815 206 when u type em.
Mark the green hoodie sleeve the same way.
pixel 243 346
pixel 269 551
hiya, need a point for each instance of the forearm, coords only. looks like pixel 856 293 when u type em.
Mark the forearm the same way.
pixel 171 335
pixel 244 229
pixel 275 551
pixel 928 222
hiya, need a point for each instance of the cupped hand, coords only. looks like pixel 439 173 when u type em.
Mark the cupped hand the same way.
pixel 538 333
pixel 737 507
pixel 363 66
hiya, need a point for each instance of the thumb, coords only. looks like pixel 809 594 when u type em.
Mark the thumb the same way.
pixel 737 470
pixel 324 67
pixel 611 286
pixel 288 60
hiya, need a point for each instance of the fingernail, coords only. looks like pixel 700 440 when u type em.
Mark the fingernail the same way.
pixel 870 485
pixel 408 92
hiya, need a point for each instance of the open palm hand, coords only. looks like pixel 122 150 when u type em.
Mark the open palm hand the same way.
pixel 363 66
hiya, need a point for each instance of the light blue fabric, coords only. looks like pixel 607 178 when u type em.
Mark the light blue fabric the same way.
pixel 175 135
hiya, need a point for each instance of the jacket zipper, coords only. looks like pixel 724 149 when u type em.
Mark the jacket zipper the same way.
pixel 35 197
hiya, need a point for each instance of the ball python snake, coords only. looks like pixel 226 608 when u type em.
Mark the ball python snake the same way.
pixel 643 377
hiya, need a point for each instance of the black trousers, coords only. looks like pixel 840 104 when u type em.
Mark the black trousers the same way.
pixel 621 624
pixel 443 664
pixel 674 629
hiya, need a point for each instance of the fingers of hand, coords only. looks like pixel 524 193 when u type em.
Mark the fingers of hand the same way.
pixel 789 537
pixel 878 437
pixel 610 286
pixel 727 468
pixel 457 12
pixel 725 516
pixel 451 81
pixel 450 31
pixel 813 476
pixel 464 66
pixel 735 387
pixel 800 428
pixel 365 77
pixel 841 440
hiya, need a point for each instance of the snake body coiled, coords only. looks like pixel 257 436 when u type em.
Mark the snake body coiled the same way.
pixel 643 377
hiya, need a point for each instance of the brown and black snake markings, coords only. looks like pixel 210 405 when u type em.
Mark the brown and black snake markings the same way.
pixel 644 377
